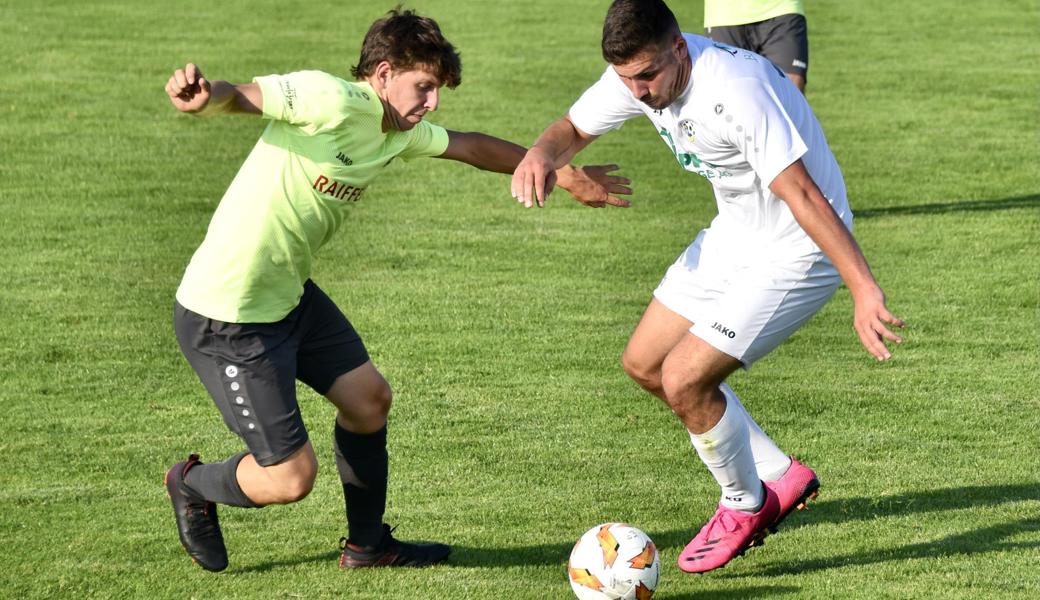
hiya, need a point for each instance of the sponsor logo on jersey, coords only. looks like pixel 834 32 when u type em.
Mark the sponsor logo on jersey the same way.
pixel 703 168
pixel 288 92
pixel 726 331
pixel 719 108
pixel 343 158
pixel 686 127
pixel 337 189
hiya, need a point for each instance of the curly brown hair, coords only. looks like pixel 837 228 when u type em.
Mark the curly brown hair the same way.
pixel 409 41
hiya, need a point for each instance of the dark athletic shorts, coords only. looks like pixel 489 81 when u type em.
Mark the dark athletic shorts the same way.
pixel 784 40
pixel 250 369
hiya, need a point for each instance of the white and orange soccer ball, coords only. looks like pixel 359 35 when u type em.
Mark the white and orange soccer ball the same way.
pixel 614 561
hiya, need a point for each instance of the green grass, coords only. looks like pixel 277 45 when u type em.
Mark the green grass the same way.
pixel 514 429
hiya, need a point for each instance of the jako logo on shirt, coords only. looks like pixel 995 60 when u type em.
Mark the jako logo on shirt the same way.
pixel 726 331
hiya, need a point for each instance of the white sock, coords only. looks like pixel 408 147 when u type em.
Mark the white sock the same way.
pixel 770 461
pixel 726 451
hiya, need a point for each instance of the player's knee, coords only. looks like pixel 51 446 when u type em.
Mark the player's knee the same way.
pixel 646 375
pixel 382 400
pixel 297 485
pixel 686 393
pixel 295 479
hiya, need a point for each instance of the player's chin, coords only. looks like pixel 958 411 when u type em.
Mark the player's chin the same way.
pixel 413 119
pixel 656 103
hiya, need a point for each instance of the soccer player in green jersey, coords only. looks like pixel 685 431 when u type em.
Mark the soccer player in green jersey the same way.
pixel 248 317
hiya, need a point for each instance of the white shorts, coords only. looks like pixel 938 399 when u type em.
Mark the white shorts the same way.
pixel 741 307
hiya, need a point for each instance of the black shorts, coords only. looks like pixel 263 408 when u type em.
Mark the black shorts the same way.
pixel 784 40
pixel 250 369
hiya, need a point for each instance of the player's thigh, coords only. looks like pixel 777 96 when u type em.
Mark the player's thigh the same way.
pixel 695 364
pixel 333 361
pixel 249 371
pixel 329 345
pixel 784 40
pixel 657 333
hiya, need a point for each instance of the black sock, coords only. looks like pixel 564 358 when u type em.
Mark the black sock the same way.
pixel 218 482
pixel 363 464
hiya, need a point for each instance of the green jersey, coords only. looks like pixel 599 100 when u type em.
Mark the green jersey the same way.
pixel 322 148
pixel 723 13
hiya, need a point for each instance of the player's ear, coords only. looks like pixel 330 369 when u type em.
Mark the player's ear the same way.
pixel 680 46
pixel 383 72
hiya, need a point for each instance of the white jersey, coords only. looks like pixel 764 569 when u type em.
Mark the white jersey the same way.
pixel 738 124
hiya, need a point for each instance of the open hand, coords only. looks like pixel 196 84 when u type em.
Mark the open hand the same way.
pixel 533 178
pixel 594 186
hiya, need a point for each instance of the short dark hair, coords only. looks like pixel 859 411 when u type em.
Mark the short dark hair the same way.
pixel 408 41
pixel 633 26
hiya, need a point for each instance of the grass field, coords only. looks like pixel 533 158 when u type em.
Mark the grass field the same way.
pixel 514 428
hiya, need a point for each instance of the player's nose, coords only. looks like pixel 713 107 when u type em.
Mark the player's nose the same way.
pixel 432 100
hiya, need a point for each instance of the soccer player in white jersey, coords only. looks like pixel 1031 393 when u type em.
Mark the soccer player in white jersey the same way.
pixel 773 256
pixel 251 322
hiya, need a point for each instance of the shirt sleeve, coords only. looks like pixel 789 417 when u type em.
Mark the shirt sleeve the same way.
pixel 755 121
pixel 605 106
pixel 310 98
pixel 425 139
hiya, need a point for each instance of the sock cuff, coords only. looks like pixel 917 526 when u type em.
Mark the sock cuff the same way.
pixel 238 496
pixel 731 424
pixel 349 443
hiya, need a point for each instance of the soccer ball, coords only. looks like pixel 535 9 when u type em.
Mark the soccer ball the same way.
pixel 614 561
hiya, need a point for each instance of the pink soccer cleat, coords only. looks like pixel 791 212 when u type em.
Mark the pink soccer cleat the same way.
pixel 794 489
pixel 727 535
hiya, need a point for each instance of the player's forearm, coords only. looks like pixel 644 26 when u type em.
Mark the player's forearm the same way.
pixel 560 142
pixel 484 152
pixel 816 216
pixel 229 98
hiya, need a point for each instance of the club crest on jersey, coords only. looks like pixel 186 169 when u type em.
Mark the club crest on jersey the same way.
pixel 686 127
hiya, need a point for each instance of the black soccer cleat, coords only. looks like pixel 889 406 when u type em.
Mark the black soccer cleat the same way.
pixel 390 552
pixel 197 521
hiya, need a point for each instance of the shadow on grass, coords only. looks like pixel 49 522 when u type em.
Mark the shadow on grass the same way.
pixel 973 542
pixel 1031 201
pixel 834 511
pixel 755 591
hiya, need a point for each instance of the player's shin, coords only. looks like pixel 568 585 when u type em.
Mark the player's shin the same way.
pixel 726 451
pixel 770 461
pixel 363 465
pixel 218 482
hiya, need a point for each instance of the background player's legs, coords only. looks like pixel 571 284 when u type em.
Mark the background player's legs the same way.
pixel 362 398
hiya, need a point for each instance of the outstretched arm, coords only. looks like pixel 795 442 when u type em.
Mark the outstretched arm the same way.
pixel 191 92
pixel 593 185
pixel 533 178
pixel 814 213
